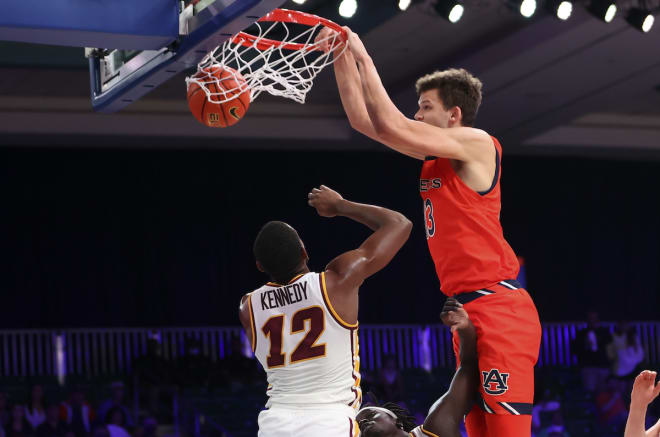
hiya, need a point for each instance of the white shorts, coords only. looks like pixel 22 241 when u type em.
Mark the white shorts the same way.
pixel 292 421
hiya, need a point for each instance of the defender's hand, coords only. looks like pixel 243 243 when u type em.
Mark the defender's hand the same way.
pixel 645 389
pixel 454 316
pixel 325 200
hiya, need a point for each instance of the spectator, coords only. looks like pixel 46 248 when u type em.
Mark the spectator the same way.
pixel 150 427
pixel 390 381
pixel 77 413
pixel 240 370
pixel 35 413
pixel 544 411
pixel 610 406
pixel 556 427
pixel 18 426
pixel 194 367
pixel 625 352
pixel 589 347
pixel 116 423
pixel 53 426
pixel 5 416
pixel 644 391
pixel 116 401
pixel 151 373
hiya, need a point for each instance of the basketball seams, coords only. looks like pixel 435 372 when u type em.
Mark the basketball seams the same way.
pixel 222 108
pixel 225 83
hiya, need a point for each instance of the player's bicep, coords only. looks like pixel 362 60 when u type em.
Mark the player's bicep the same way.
pixel 348 268
pixel 354 266
pixel 420 139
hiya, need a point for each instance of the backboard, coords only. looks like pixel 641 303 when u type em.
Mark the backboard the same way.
pixel 132 46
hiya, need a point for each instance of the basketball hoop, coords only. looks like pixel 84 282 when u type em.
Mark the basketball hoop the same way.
pixel 284 66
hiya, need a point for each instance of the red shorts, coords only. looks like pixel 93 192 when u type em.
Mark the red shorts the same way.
pixel 508 341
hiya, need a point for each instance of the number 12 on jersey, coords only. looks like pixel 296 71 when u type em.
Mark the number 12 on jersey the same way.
pixel 307 349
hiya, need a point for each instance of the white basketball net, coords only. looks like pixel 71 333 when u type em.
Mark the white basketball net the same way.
pixel 287 69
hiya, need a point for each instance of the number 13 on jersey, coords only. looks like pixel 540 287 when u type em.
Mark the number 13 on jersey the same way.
pixel 429 222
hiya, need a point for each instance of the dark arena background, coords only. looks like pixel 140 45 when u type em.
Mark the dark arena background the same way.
pixel 126 238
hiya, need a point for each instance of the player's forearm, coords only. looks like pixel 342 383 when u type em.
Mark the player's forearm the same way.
pixel 468 347
pixel 350 93
pixel 635 424
pixel 373 217
pixel 385 117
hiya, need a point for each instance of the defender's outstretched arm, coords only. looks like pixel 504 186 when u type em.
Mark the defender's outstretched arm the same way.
pixel 446 414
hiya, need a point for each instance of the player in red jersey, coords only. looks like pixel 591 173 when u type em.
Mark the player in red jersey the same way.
pixel 460 189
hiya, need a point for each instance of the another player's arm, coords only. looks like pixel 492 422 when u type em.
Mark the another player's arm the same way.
pixel 446 414
pixel 644 391
pixel 411 137
pixel 391 231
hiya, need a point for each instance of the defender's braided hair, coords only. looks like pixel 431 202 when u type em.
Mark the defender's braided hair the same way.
pixel 403 416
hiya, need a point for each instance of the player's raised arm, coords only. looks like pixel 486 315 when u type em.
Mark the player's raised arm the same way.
pixel 391 231
pixel 447 412
pixel 350 88
pixel 412 137
pixel 644 391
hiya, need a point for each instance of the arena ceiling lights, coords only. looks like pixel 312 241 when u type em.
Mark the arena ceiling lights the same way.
pixel 347 8
pixel 561 9
pixel 603 9
pixel 451 10
pixel 526 8
pixel 640 19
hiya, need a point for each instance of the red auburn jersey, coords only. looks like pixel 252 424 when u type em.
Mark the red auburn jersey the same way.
pixel 463 229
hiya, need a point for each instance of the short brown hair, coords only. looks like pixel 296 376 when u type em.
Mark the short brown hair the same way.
pixel 456 87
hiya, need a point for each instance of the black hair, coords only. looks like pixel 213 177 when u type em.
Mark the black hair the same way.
pixel 403 416
pixel 278 250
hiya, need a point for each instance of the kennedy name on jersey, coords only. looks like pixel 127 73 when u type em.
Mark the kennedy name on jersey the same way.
pixel 286 295
pixel 427 184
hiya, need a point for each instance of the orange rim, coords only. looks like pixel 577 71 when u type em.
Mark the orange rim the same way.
pixel 287 16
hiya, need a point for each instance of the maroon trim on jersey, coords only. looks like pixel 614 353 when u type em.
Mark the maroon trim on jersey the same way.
pixel 350 430
pixel 353 389
pixel 326 300
pixel 252 325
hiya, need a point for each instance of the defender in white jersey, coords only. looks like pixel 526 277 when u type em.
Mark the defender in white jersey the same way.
pixel 446 414
pixel 303 325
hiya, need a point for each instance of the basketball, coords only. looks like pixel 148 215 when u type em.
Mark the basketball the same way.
pixel 223 83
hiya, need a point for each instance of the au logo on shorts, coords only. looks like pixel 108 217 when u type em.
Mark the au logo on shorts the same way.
pixel 495 383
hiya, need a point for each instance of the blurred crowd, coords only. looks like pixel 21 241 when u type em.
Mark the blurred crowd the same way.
pixel 74 416
pixel 595 393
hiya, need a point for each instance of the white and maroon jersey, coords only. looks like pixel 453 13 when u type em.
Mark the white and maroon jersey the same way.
pixel 310 354
pixel 421 432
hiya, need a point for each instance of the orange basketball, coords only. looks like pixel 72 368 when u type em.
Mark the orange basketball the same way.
pixel 222 83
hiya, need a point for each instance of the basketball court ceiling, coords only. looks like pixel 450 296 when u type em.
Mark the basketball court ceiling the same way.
pixel 574 87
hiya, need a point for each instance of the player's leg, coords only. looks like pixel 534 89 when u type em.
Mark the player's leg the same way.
pixel 333 421
pixel 509 336
pixel 475 422
pixel 276 422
